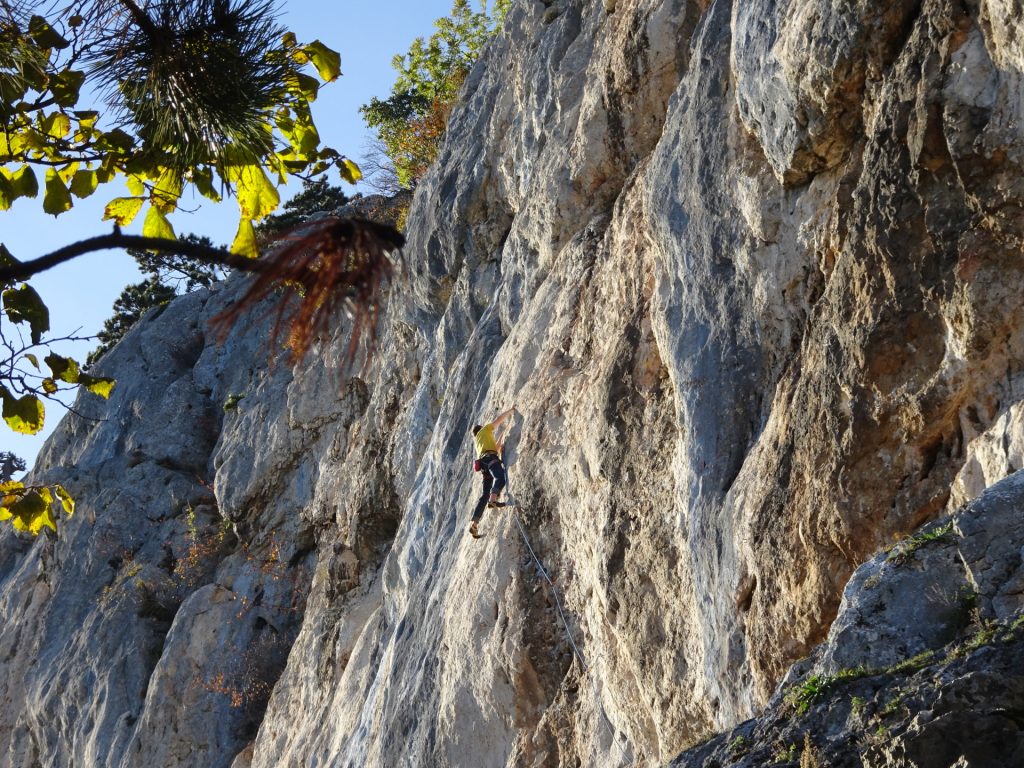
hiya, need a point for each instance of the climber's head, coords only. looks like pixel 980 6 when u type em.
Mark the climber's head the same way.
pixel 476 429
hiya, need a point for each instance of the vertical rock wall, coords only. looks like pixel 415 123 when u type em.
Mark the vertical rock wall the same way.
pixel 749 272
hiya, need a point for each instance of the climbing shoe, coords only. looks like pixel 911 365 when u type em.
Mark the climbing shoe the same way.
pixel 497 504
pixel 473 530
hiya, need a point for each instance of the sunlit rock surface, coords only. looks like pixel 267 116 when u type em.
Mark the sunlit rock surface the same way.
pixel 751 275
pixel 921 666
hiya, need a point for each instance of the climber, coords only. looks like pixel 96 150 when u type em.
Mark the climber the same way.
pixel 489 464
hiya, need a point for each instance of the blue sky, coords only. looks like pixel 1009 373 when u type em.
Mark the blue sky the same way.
pixel 80 294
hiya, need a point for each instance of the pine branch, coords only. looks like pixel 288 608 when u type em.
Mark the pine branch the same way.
pixel 204 253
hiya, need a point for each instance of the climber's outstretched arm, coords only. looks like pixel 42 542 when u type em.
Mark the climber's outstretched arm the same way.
pixel 507 428
pixel 502 416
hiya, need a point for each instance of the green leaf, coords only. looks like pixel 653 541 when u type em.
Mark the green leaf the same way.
pixel 167 191
pixel 66 86
pixel 157 225
pixel 115 140
pixel 64 368
pixel 306 86
pixel 57 198
pixel 84 183
pixel 67 173
pixel 123 210
pixel 203 179
pixel 66 499
pixel 44 35
pixel 97 385
pixel 257 196
pixel 349 171
pixel 57 125
pixel 23 414
pixel 24 305
pixel 49 386
pixel 32 359
pixel 326 61
pixel 245 240
pixel 24 182
pixel 6 192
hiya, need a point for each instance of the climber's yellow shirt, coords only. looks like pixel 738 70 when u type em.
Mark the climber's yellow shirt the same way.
pixel 485 441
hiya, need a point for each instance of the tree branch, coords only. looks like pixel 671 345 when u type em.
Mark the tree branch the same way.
pixel 116 239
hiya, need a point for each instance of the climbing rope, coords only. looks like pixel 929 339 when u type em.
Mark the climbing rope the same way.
pixel 565 623
pixel 554 589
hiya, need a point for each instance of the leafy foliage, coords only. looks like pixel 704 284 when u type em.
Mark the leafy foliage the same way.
pixel 411 122
pixel 32 508
pixel 171 274
pixel 203 94
pixel 211 96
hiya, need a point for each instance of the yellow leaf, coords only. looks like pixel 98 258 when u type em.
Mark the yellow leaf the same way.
pixel 257 196
pixel 57 198
pixel 349 171
pixel 67 172
pixel 84 183
pixel 5 513
pixel 57 125
pixel 66 500
pixel 10 492
pixel 135 185
pixel 245 240
pixel 203 179
pixel 123 210
pixel 98 385
pixel 157 225
pixel 23 414
pixel 44 518
pixel 29 508
pixel 167 191
pixel 23 182
pixel 326 60
pixel 87 118
pixel 6 193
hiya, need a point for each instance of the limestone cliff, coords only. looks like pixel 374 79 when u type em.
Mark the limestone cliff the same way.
pixel 750 273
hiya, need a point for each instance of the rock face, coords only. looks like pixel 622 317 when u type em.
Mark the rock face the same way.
pixel 750 273
pixel 921 666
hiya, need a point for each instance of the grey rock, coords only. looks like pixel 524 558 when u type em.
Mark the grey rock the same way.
pixel 903 679
pixel 750 273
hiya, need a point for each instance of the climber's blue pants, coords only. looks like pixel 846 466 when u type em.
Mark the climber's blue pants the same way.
pixel 493 472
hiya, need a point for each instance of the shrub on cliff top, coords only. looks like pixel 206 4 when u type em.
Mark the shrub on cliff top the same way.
pixel 411 122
